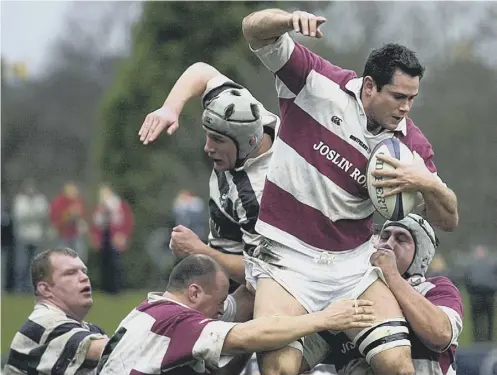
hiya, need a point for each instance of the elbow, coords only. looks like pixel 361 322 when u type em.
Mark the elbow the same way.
pixel 441 342
pixel 246 29
pixel 203 68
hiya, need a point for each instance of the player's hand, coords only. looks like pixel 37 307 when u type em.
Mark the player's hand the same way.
pixel 307 24
pixel 412 176
pixel 346 314
pixel 157 121
pixel 385 259
pixel 184 242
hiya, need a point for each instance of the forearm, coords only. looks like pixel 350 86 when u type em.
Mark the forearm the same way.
pixel 233 264
pixel 266 25
pixel 271 333
pixel 192 83
pixel 434 331
pixel 96 348
pixel 441 206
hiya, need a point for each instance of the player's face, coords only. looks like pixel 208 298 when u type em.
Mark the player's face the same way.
pixel 393 102
pixel 221 150
pixel 212 302
pixel 400 241
pixel 70 287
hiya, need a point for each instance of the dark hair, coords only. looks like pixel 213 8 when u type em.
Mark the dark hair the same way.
pixel 197 268
pixel 41 264
pixel 383 62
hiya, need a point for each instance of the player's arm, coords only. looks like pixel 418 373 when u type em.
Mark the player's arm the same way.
pixel 440 205
pixel 266 26
pixel 435 332
pixel 270 333
pixel 191 84
pixel 185 242
pixel 96 349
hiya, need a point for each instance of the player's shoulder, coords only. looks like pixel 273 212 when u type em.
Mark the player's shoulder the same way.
pixel 414 134
pixel 165 310
pixel 442 283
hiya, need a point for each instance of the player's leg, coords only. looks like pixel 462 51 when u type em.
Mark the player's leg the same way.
pixel 272 299
pixel 239 306
pixel 386 345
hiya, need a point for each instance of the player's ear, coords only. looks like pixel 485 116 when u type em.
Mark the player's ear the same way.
pixel 368 85
pixel 194 292
pixel 43 289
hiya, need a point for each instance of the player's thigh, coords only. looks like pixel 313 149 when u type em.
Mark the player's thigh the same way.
pixel 272 299
pixel 244 304
pixel 386 345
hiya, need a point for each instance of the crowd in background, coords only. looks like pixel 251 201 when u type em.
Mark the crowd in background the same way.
pixel 33 222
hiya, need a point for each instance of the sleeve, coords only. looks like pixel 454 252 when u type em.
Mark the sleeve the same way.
pixel 194 337
pixel 448 298
pixel 210 344
pixel 292 63
pixel 65 349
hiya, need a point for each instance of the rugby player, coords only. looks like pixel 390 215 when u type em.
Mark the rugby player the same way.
pixel 315 213
pixel 177 332
pixel 432 306
pixel 55 339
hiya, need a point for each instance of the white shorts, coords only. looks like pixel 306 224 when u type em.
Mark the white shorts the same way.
pixel 316 278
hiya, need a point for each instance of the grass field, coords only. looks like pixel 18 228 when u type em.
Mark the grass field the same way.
pixel 109 310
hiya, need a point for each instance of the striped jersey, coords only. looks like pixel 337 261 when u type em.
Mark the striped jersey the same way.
pixel 50 342
pixel 441 292
pixel 235 194
pixel 164 336
pixel 315 196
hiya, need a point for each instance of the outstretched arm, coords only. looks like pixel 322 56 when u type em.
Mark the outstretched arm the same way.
pixel 270 333
pixel 191 84
pixel 264 27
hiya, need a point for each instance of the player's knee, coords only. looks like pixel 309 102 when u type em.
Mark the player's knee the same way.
pixel 395 361
pixel 285 361
pixel 386 347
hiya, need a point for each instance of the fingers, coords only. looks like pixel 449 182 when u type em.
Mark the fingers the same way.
pixel 363 302
pixel 145 127
pixel 307 24
pixel 388 159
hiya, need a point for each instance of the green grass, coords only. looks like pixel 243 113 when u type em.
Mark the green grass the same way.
pixel 109 310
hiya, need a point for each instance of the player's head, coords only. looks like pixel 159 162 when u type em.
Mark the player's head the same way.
pixel 234 124
pixel 413 241
pixel 201 283
pixel 60 277
pixel 390 83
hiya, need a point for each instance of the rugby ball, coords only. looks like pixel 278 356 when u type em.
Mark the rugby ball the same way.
pixel 394 207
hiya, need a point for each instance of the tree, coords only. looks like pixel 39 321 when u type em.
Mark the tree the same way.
pixel 169 37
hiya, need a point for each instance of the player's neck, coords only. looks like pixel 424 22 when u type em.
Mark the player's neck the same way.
pixel 176 297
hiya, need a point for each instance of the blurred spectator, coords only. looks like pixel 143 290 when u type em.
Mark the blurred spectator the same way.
pixel 111 230
pixel 8 244
pixel 67 213
pixel 30 216
pixel 481 283
pixel 189 210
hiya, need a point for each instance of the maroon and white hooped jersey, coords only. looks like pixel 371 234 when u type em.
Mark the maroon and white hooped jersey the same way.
pixel 162 335
pixel 317 173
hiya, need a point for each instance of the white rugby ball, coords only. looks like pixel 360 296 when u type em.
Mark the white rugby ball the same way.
pixel 394 207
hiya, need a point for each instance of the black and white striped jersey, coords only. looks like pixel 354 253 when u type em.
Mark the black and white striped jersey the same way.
pixel 50 342
pixel 235 195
